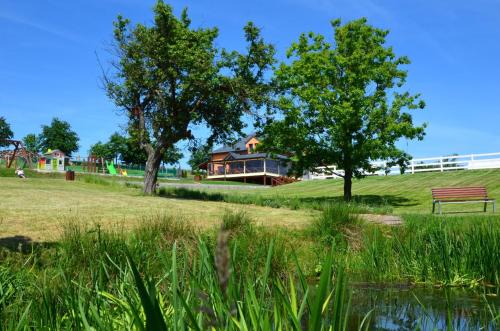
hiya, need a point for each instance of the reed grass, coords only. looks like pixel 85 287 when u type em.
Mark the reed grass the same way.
pixel 272 201
pixel 452 251
pixel 167 274
pixel 153 280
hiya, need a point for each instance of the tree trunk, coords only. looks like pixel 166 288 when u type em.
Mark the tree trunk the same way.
pixel 151 171
pixel 348 185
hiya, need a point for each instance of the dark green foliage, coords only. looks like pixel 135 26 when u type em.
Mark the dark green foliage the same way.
pixel 58 135
pixel 5 131
pixel 32 143
pixel 170 76
pixel 330 227
pixel 101 150
pixel 133 153
pixel 199 155
pixel 117 144
pixel 340 103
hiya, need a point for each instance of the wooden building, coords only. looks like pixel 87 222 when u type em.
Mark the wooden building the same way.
pixel 241 162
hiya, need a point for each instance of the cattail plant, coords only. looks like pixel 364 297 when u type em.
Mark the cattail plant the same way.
pixel 223 259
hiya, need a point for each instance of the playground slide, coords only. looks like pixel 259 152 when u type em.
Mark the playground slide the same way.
pixel 111 168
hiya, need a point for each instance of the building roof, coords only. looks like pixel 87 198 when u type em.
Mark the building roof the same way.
pixel 240 145
pixel 236 156
pixel 53 151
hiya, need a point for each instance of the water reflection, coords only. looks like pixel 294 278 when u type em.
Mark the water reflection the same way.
pixel 423 308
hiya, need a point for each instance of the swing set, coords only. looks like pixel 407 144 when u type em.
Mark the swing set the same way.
pixel 19 150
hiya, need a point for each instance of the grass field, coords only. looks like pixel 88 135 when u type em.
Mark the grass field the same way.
pixel 395 194
pixel 69 253
pixel 36 207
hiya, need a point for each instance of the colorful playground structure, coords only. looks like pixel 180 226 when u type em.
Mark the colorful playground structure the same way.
pixel 98 165
pixel 17 157
pixel 52 161
pixel 56 161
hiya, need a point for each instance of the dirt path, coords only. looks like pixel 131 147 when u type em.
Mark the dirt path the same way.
pixel 382 219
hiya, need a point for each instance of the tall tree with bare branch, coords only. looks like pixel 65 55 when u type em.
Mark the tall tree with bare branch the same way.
pixel 170 76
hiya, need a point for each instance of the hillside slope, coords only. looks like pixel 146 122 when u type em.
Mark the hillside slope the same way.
pixel 406 193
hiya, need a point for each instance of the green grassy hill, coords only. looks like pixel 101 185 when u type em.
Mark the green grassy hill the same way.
pixel 406 193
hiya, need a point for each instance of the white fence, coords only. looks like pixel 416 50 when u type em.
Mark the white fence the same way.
pixel 440 163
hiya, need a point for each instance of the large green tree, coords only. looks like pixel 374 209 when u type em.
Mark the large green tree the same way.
pixel 32 143
pixel 117 144
pixel 170 76
pixel 341 102
pixel 101 150
pixel 199 154
pixel 5 131
pixel 58 135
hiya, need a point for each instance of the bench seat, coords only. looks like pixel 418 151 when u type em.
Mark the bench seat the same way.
pixel 473 194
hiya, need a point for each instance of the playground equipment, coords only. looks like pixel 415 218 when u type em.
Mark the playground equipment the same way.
pixel 111 167
pixel 53 160
pixel 19 150
pixel 122 172
pixel 91 164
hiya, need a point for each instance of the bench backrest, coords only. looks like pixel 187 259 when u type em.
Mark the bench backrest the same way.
pixel 459 193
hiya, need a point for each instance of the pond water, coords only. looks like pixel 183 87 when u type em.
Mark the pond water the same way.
pixel 403 308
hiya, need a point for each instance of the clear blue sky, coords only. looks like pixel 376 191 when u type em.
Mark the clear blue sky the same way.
pixel 48 64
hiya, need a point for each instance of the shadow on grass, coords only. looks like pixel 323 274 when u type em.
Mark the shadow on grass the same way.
pixel 23 244
pixel 370 200
pixel 363 203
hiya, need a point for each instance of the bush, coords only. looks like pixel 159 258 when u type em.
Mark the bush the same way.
pixel 333 224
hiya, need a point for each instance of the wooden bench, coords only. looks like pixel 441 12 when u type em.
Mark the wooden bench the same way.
pixel 460 195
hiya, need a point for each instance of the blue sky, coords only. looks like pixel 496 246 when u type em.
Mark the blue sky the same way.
pixel 49 68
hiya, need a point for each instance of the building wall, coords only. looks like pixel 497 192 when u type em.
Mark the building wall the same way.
pixel 253 141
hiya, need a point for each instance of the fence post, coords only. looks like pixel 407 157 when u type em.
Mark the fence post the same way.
pixel 264 165
pixel 441 163
pixel 412 167
pixel 244 166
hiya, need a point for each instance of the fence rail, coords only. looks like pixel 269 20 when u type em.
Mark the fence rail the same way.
pixel 438 163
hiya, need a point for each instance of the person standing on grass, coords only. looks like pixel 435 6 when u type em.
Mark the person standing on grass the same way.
pixel 20 173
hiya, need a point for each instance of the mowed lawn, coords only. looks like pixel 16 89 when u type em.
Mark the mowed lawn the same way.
pixel 38 207
pixel 404 194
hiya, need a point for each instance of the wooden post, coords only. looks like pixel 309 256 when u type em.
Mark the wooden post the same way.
pixel 412 167
pixel 441 164
pixel 13 155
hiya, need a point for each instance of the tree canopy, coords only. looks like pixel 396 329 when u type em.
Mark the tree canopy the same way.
pixel 32 143
pixel 199 155
pixel 170 76
pixel 58 135
pixel 341 103
pixel 5 131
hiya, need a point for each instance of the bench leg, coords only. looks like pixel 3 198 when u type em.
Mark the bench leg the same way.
pixel 494 206
pixel 485 204
pixel 433 206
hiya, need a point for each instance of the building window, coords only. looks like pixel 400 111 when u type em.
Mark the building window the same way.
pixel 250 148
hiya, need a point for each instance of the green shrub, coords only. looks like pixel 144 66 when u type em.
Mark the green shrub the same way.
pixel 332 224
